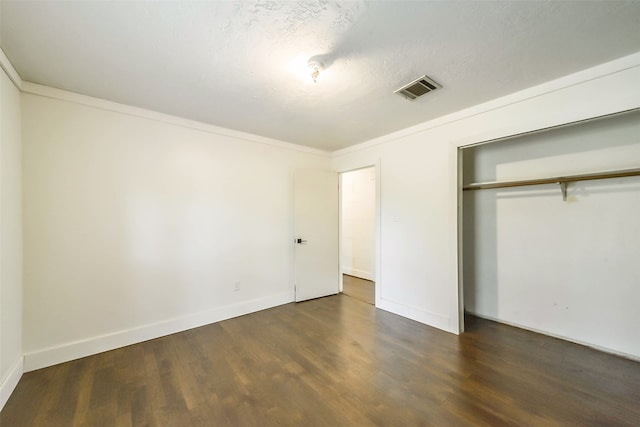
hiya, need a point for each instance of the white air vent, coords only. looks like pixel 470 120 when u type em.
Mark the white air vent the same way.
pixel 420 86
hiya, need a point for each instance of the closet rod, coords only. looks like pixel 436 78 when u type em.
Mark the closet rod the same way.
pixel 555 180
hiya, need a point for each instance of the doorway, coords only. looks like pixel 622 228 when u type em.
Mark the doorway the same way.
pixel 358 233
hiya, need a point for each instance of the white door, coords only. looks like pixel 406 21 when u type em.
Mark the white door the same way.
pixel 316 228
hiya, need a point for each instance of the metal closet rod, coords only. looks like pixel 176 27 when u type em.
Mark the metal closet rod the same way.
pixel 554 180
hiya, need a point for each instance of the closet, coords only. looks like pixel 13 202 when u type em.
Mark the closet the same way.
pixel 558 256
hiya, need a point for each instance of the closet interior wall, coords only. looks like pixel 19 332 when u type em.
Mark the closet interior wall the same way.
pixel 564 268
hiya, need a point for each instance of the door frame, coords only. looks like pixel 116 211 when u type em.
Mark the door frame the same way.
pixel 377 234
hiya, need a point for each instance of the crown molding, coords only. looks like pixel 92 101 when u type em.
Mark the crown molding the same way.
pixel 63 95
pixel 612 67
pixel 11 72
pixel 602 70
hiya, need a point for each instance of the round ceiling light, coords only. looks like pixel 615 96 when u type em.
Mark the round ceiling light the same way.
pixel 314 68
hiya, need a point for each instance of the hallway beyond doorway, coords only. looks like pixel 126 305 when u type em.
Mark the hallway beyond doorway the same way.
pixel 364 290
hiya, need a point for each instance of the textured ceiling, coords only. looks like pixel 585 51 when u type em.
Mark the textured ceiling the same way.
pixel 229 63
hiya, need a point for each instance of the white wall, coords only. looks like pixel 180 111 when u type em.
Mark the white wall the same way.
pixel 418 257
pixel 568 269
pixel 135 227
pixel 10 239
pixel 358 217
pixel 416 265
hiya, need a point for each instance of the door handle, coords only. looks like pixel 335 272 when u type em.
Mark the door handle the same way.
pixel 301 241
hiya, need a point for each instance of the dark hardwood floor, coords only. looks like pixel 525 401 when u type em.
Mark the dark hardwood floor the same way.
pixel 364 290
pixel 334 361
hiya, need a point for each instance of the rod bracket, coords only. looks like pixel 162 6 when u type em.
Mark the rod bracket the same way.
pixel 563 188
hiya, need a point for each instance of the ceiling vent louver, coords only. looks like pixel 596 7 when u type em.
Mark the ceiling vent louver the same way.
pixel 417 88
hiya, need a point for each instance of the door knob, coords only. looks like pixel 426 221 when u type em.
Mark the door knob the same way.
pixel 301 241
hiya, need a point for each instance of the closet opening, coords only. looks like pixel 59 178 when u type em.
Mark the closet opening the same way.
pixel 557 256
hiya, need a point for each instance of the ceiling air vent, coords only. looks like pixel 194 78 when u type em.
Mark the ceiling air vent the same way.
pixel 420 86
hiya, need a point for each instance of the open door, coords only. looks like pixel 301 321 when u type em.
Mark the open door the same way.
pixel 316 231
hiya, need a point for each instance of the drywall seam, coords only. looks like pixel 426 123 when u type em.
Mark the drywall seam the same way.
pixel 78 349
pixel 599 71
pixel 11 72
pixel 10 382
pixel 562 337
pixel 63 95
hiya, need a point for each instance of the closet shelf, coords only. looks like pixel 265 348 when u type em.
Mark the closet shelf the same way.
pixel 562 180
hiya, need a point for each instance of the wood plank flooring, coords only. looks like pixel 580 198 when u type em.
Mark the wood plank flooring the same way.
pixel 334 361
pixel 364 290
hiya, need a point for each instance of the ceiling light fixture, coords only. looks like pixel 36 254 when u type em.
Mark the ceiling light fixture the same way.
pixel 314 69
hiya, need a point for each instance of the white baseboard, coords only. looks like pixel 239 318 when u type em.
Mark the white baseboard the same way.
pixel 561 337
pixel 10 382
pixel 419 315
pixel 75 350
pixel 367 275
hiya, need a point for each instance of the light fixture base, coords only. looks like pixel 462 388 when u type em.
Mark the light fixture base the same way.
pixel 314 69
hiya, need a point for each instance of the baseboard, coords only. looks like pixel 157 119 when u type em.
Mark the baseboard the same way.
pixel 78 349
pixel 419 315
pixel 560 337
pixel 10 382
pixel 367 275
